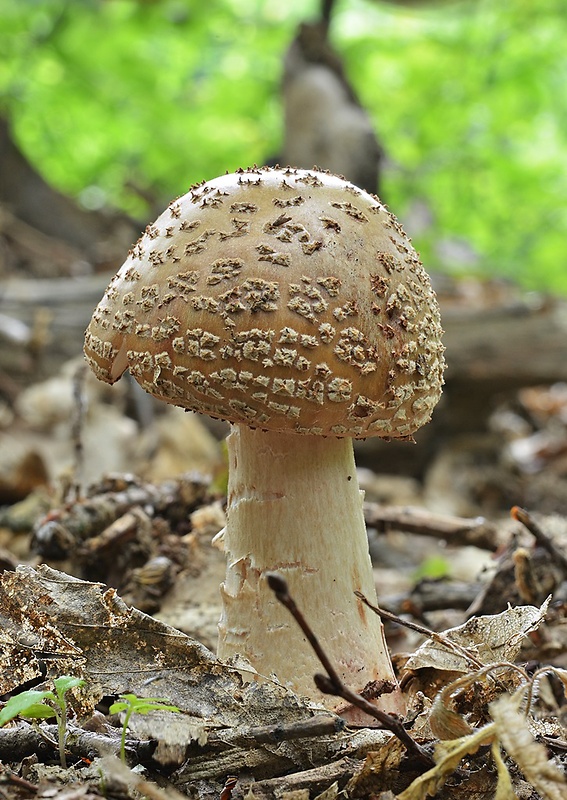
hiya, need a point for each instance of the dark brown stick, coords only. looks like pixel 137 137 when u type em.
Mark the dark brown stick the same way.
pixel 319 725
pixel 331 682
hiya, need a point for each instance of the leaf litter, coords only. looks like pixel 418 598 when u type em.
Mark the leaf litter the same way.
pixel 150 540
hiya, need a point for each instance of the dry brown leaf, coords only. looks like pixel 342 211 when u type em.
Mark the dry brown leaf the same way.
pixel 445 723
pixel 504 789
pixel 489 639
pixel 330 793
pixel 26 634
pixel 380 770
pixel 447 756
pixel 296 794
pixel 532 757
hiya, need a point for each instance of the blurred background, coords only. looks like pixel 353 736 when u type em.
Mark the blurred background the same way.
pixel 454 112
pixel 123 104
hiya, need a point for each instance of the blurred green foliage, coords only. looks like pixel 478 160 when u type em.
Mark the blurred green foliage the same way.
pixel 434 567
pixel 115 98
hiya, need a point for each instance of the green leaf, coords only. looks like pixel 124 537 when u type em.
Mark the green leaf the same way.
pixel 17 705
pixel 146 707
pixel 141 705
pixel 433 567
pixel 38 711
pixel 117 707
pixel 66 682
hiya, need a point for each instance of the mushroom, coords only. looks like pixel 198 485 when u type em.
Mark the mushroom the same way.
pixel 292 304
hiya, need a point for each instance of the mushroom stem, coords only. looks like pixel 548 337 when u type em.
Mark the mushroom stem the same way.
pixel 294 507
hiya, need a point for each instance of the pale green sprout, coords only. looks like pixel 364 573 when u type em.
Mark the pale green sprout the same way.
pixel 132 704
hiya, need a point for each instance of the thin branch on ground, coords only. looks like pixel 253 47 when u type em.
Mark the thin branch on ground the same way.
pixel 387 616
pixel 477 531
pixel 319 725
pixel 331 682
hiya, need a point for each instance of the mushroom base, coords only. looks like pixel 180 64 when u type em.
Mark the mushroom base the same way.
pixel 294 507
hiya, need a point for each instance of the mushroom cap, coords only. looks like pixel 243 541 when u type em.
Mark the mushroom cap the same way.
pixel 283 299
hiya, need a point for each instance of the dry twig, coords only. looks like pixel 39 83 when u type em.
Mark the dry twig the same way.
pixel 413 626
pixel 331 682
pixel 456 530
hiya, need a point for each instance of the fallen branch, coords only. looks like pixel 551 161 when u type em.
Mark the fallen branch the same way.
pixel 431 594
pixel 320 725
pixel 24 740
pixel 455 530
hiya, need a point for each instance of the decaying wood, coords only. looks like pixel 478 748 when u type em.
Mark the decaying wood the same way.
pixel 525 571
pixel 62 532
pixel 319 725
pixel 542 537
pixel 432 595
pixel 20 741
pixel 313 762
pixel 54 313
pixel 478 532
pixel 89 744
pixel 35 246
pixel 493 352
pixel 506 586
pixel 24 740
pixel 311 781
pixel 508 345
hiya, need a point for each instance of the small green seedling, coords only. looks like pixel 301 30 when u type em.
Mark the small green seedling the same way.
pixel 132 704
pixel 34 704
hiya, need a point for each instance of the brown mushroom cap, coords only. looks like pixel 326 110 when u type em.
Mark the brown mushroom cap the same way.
pixel 282 299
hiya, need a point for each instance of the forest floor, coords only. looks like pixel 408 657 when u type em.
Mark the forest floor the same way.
pixel 110 576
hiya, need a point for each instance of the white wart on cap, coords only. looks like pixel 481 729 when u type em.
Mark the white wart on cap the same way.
pixel 286 300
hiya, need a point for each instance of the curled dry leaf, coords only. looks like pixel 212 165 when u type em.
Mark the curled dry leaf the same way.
pixel 447 756
pixel 509 730
pixel 504 788
pixel 380 770
pixel 445 723
pixel 532 758
pixel 488 639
